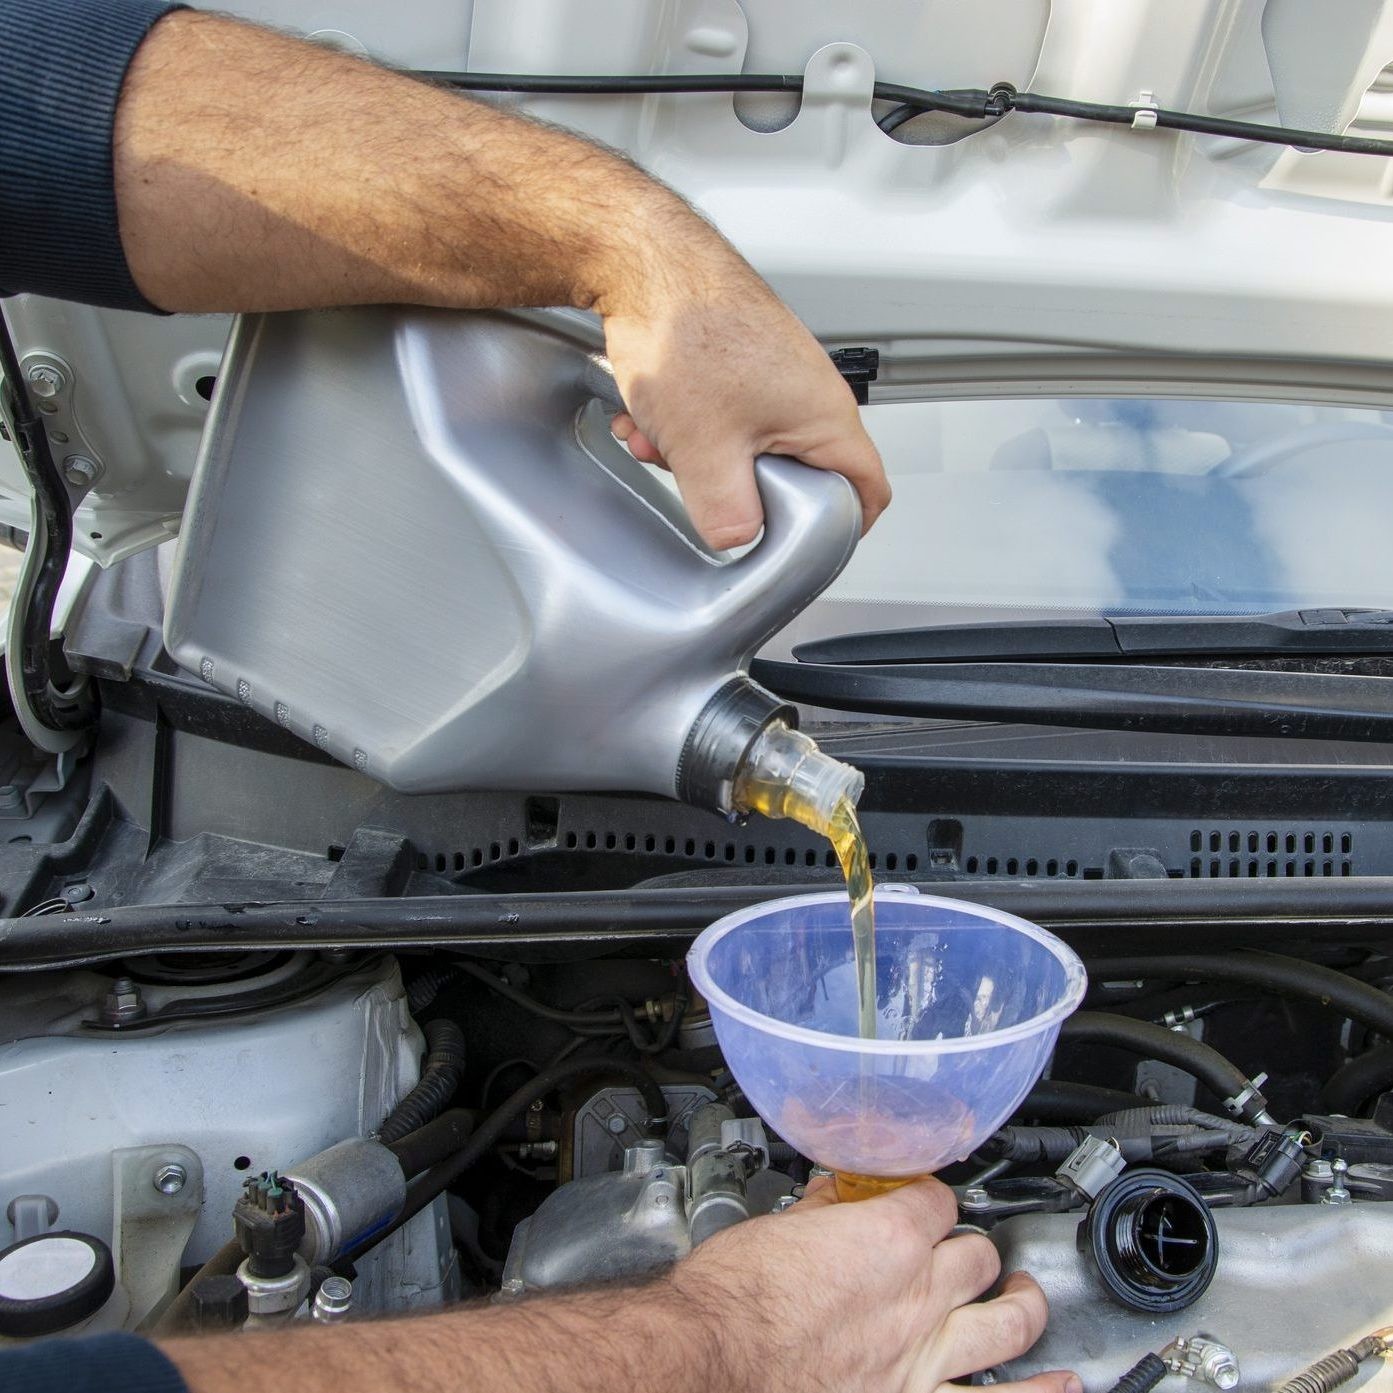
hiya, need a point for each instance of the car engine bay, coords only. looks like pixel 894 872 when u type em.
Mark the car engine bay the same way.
pixel 280 1042
pixel 585 1129
pixel 381 1052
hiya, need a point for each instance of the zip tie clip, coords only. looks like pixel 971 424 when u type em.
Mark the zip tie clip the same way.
pixel 1251 1090
pixel 1145 119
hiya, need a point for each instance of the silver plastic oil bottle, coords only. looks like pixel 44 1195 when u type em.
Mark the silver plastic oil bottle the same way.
pixel 399 546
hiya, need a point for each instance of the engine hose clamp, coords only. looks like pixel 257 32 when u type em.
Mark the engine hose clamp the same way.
pixel 1200 1357
pixel 1251 1090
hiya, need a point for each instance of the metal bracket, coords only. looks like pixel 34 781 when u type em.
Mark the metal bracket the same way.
pixel 158 1196
pixel 1203 1358
pixel 52 384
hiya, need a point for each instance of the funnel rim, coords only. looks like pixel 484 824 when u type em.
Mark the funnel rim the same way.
pixel 1075 986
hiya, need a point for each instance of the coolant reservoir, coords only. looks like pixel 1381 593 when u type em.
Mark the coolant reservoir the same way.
pixel 398 547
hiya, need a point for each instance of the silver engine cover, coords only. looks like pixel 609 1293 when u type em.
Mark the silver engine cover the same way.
pixel 1294 1283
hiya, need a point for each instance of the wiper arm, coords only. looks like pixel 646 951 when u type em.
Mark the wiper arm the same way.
pixel 1126 636
pixel 1177 700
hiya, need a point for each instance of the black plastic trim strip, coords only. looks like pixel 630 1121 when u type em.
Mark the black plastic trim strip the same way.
pixel 1156 916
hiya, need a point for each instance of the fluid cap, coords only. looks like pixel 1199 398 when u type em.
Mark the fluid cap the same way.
pixel 219 1302
pixel 52 1281
pixel 1153 1241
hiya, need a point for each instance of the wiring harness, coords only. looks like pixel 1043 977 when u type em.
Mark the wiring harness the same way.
pixel 975 103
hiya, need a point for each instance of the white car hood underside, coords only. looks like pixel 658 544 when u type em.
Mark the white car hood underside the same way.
pixel 1037 254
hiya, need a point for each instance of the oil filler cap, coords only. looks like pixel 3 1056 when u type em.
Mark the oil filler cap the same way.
pixel 53 1281
pixel 1153 1241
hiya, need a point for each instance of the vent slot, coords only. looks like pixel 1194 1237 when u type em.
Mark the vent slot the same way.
pixel 1034 867
pixel 622 843
pixel 1270 853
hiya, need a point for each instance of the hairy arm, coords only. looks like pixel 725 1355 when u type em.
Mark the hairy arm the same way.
pixel 255 171
pixel 588 1342
pixel 258 172
pixel 873 1297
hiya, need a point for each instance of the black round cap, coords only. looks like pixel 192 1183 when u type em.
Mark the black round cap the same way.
pixel 1153 1241
pixel 219 1302
pixel 720 739
pixel 52 1281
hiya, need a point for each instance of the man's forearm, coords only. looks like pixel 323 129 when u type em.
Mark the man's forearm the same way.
pixel 588 1342
pixel 296 176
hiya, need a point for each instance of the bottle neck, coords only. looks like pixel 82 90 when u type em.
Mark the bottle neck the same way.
pixel 785 774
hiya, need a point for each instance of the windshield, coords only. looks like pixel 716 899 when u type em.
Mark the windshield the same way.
pixel 1122 505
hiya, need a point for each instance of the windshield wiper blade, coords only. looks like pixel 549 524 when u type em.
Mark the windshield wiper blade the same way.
pixel 1331 630
pixel 1166 700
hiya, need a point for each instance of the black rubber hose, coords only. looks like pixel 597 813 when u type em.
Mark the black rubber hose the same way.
pixel 1054 1100
pixel 1364 1077
pixel 1221 1077
pixel 1273 972
pixel 782 1155
pixel 422 989
pixel 668 1031
pixel 433 1182
pixel 440 1077
pixel 54 513
pixel 429 1145
pixel 609 1021
pixel 666 1034
pixel 1143 1376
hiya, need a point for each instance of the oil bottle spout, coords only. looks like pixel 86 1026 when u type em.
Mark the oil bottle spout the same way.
pixel 744 754
pixel 784 774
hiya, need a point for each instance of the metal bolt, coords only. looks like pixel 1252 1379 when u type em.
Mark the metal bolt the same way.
pixel 79 471
pixel 124 1004
pixel 76 894
pixel 1338 1193
pixel 617 1124
pixel 784 1202
pixel 975 1197
pixel 10 796
pixel 46 381
pixel 1222 1371
pixel 170 1178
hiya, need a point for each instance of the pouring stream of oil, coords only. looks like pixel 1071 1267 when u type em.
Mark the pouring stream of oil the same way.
pixel 843 830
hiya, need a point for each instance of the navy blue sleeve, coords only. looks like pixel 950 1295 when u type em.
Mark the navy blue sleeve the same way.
pixel 62 63
pixel 116 1363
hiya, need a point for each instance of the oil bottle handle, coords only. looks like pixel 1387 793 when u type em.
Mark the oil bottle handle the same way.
pixel 812 520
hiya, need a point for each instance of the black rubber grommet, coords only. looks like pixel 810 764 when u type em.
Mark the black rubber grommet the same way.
pixel 1153 1241
pixel 52 1281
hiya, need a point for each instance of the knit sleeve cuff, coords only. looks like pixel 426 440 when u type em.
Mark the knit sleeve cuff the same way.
pixel 114 1363
pixel 62 64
